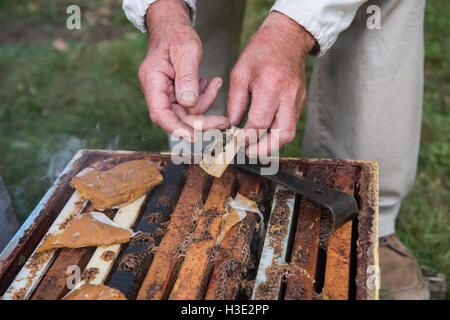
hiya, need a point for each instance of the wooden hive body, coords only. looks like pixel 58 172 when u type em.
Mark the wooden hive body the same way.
pixel 175 255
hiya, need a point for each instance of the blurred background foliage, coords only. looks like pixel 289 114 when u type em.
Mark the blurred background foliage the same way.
pixel 63 90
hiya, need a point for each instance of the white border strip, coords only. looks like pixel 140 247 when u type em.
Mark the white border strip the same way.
pixel 124 218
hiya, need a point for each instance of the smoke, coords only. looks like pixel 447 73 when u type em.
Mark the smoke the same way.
pixel 66 148
pixel 51 158
pixel 60 159
pixel 20 203
pixel 114 144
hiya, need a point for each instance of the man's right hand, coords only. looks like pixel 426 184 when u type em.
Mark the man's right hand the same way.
pixel 169 73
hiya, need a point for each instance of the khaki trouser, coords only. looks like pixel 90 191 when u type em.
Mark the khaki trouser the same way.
pixel 365 99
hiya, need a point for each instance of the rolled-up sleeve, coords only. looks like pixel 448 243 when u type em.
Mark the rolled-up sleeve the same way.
pixel 324 19
pixel 135 10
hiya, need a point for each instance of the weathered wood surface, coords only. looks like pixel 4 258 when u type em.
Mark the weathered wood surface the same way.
pixel 53 285
pixel 38 263
pixel 196 267
pixel 233 258
pixel 273 266
pixel 367 276
pixel 350 257
pixel 337 270
pixel 136 258
pixel 162 272
pixel 104 256
pixel 300 285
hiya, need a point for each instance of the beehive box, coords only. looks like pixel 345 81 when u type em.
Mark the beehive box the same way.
pixel 292 255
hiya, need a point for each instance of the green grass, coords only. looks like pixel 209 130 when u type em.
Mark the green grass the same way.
pixel 53 103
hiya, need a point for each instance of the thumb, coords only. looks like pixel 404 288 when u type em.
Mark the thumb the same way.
pixel 186 76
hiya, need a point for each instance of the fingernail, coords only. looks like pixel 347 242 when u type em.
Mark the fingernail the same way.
pixel 188 97
pixel 219 83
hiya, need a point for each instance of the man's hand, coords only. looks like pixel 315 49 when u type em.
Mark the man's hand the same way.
pixel 271 70
pixel 169 74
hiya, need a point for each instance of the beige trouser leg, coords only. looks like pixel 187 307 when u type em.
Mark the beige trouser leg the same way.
pixel 219 24
pixel 366 99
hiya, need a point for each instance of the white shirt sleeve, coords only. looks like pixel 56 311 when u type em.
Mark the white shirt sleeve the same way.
pixel 135 10
pixel 324 19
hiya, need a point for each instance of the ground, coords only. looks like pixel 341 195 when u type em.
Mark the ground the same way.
pixel 63 90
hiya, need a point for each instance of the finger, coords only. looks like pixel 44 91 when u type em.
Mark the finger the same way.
pixel 202 122
pixel 262 112
pixel 171 94
pixel 203 84
pixel 283 131
pixel 186 62
pixel 159 106
pixel 208 97
pixel 238 97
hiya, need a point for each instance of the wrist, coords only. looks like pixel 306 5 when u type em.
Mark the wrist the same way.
pixel 291 29
pixel 167 12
